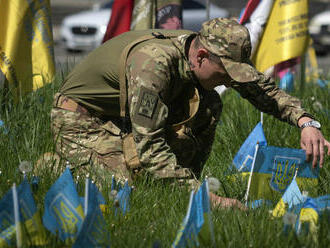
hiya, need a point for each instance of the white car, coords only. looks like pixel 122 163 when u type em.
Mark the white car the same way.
pixel 319 29
pixel 85 30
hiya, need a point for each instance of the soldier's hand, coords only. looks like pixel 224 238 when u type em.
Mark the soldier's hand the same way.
pixel 222 202
pixel 313 142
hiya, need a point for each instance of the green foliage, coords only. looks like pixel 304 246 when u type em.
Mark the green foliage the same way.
pixel 157 209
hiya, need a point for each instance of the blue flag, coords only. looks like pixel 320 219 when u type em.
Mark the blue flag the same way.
pixel 7 220
pixel 205 231
pixel 33 232
pixel 259 203
pixel 304 213
pixel 187 234
pixel 290 198
pixel 63 210
pixel 115 185
pixel 323 203
pixel 100 199
pixel 94 232
pixel 275 168
pixel 308 218
pixel 244 157
pixel 203 204
pixel 123 198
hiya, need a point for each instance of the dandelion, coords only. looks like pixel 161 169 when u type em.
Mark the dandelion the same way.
pixel 113 194
pixel 289 218
pixel 25 167
pixel 214 184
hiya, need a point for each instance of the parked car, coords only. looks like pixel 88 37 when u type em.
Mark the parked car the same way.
pixel 319 29
pixel 85 30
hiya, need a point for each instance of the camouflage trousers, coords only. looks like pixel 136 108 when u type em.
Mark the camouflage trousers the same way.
pixel 90 145
pixel 94 146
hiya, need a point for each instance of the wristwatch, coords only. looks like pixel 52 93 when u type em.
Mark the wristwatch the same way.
pixel 311 123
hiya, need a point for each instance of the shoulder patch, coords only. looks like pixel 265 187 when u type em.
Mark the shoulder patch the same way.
pixel 147 108
pixel 147 103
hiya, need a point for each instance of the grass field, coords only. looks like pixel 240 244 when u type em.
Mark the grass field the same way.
pixel 157 210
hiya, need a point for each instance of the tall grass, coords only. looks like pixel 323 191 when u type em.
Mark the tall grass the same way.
pixel 156 209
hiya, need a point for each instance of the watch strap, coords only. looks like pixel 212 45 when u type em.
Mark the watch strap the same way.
pixel 311 123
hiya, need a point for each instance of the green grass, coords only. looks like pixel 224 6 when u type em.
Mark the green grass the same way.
pixel 157 210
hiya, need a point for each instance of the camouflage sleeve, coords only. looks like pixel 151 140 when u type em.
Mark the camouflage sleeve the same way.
pixel 268 98
pixel 148 85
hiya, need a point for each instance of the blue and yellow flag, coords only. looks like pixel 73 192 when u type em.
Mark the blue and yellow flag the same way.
pixel 205 231
pixel 276 167
pixel 244 157
pixel 187 235
pixel 285 35
pixel 301 212
pixel 26 44
pixel 35 234
pixel 290 198
pixel 7 220
pixel 63 210
pixel 94 232
pixel 101 202
pixel 323 202
pixel 33 231
pixel 308 218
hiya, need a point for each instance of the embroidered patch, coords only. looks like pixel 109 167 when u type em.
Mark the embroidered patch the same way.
pixel 147 104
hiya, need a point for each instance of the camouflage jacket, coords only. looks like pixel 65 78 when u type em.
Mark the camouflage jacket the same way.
pixel 158 76
pixel 159 84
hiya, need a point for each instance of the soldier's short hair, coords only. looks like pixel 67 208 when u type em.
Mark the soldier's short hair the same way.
pixel 213 57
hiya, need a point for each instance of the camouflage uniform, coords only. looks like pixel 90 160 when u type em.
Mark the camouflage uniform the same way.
pixel 160 83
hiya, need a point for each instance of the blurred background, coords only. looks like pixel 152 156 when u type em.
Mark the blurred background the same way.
pixel 77 23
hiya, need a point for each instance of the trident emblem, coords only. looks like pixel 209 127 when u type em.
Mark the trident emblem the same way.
pixel 284 170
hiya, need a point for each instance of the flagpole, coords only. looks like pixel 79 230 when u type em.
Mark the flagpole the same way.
pixel 17 222
pixel 302 73
pixel 113 186
pixel 262 118
pixel 209 214
pixel 207 9
pixel 86 196
pixel 251 172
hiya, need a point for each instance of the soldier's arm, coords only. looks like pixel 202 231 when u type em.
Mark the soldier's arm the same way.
pixel 268 98
pixel 148 81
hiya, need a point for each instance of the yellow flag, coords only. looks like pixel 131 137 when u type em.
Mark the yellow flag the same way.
pixel 26 44
pixel 286 34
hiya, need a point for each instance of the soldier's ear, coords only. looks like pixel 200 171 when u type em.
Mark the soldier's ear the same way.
pixel 202 54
